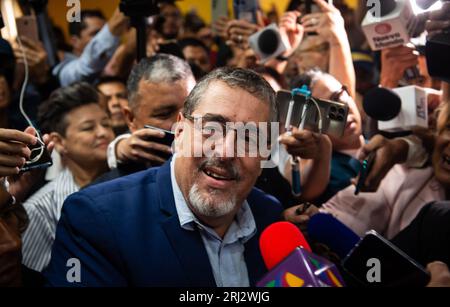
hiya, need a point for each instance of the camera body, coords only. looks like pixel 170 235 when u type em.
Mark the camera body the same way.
pixel 334 114
pixel 139 8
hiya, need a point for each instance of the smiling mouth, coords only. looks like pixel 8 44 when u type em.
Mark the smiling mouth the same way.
pixel 218 175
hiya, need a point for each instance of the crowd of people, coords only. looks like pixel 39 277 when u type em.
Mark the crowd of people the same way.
pixel 137 211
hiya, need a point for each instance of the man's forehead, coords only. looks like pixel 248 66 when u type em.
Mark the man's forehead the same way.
pixel 232 102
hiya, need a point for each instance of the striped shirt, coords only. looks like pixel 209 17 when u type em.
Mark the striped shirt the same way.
pixel 44 210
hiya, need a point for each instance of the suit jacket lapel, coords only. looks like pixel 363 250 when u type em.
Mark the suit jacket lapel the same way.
pixel 188 245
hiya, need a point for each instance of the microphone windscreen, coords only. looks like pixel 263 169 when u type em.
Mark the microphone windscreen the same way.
pixel 382 104
pixel 385 8
pixel 268 41
pixel 326 229
pixel 279 240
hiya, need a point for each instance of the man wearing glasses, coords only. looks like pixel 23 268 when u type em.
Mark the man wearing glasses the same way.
pixel 196 220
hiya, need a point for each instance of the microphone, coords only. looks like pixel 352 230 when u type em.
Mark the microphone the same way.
pixel 389 24
pixel 400 109
pixel 326 229
pixel 382 104
pixel 267 43
pixel 291 263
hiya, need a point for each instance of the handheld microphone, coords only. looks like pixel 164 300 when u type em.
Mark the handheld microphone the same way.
pixel 291 262
pixel 267 43
pixel 326 229
pixel 400 109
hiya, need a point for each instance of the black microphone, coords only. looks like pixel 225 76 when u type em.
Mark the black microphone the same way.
pixel 268 41
pixel 386 7
pixel 382 104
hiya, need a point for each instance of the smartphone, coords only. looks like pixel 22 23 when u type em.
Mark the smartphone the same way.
pixel 27 27
pixel 167 140
pixel 334 114
pixel 246 9
pixel 40 158
pixel 389 266
pixel 366 167
pixel 219 8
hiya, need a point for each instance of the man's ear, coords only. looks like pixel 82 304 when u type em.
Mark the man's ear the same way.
pixel 129 118
pixel 179 126
pixel 59 142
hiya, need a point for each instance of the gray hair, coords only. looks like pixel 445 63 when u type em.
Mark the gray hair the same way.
pixel 161 68
pixel 244 79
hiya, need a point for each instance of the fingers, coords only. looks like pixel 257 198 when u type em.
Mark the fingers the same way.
pixel 12 161
pixel 8 171
pixel 9 148
pixel 150 146
pixel 146 156
pixel 376 142
pixel 11 135
pixel 325 6
pixel 440 275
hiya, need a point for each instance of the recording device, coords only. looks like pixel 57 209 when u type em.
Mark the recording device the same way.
pixel 392 267
pixel 267 43
pixel 291 263
pixel 400 109
pixel 245 9
pixel 167 140
pixel 366 167
pixel 390 23
pixel 40 158
pixel 333 114
pixel 326 229
pixel 26 26
pixel 138 11
pixel 219 8
pixel 45 30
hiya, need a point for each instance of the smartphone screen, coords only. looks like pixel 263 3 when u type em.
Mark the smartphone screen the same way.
pixel 245 9
pixel 396 268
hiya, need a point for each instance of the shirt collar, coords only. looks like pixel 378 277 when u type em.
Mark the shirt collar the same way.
pixel 243 227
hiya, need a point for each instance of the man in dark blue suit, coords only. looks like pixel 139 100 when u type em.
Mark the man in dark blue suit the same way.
pixel 196 220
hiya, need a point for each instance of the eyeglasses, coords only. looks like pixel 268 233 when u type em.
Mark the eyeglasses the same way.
pixel 216 128
pixel 336 96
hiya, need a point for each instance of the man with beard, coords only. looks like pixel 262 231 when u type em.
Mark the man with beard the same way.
pixel 196 220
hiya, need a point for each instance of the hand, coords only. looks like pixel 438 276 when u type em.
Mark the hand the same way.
pixel 329 24
pixel 119 23
pixel 301 220
pixel 238 32
pixel 137 148
pixel 438 20
pixel 14 149
pixel 220 27
pixel 388 153
pixel 21 185
pixel 290 31
pixel 394 63
pixel 306 144
pixel 36 58
pixel 440 275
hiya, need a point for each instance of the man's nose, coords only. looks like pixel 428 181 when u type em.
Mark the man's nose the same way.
pixel 227 145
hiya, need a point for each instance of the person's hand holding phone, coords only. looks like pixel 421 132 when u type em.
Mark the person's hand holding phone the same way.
pixel 36 57
pixel 300 215
pixel 387 153
pixel 14 150
pixel 329 23
pixel 20 185
pixel 141 147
